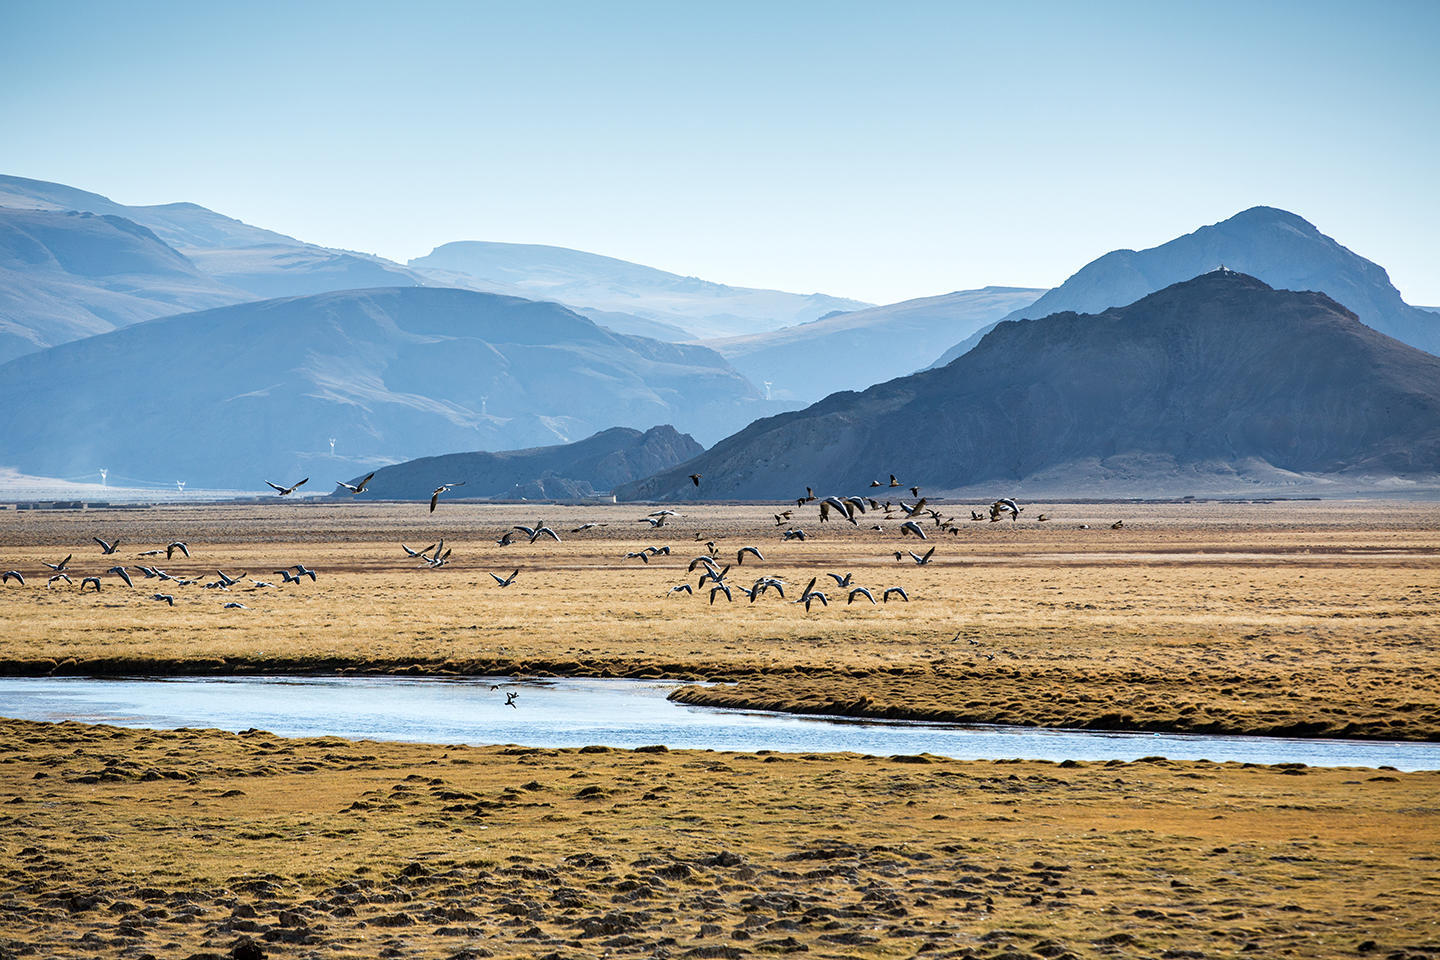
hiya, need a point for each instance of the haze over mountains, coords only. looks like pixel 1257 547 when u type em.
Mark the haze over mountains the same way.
pixel 565 471
pixel 1216 383
pixel 587 280
pixel 66 275
pixel 1278 247
pixel 850 351
pixel 255 390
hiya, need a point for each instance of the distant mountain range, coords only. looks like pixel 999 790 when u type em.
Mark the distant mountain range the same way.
pixel 1219 383
pixel 585 468
pixel 593 282
pixel 852 350
pixel 1276 246
pixel 232 396
pixel 69 275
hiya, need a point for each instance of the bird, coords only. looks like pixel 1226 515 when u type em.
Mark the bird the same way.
pixel 767 583
pixel 898 591
pixel 910 526
pixel 262 583
pixel 921 560
pixel 657 551
pixel 510 700
pixel 780 518
pixel 1117 524
pixel 588 526
pixel 683 588
pixel 302 571
pixel 976 515
pixel 653 521
pixel 506 581
pixel 813 596
pixel 356 488
pixel 841 582
pixel 721 588
pixel 740 555
pixel 228 580
pixel 860 592
pixel 808 498
pixel 1042 518
pixel 417 553
pixel 443 488
pixel 664 513
pixel 506 538
pixel 695 478
pixel 165 597
pixel 285 577
pixel 1003 506
pixel 5 578
pixel 711 574
pixel 544 531
pixel 123 574
pixel 894 482
pixel 57 567
pixel 914 491
pixel 286 491
pixel 702 560
pixel 911 511
pixel 874 483
pixel 794 535
pixel 106 548
pixel 151 553
pixel 148 571
pixel 58 576
pixel 183 547
pixel 236 605
pixel 94 580
pixel 642 556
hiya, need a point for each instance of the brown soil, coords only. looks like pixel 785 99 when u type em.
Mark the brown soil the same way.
pixel 189 843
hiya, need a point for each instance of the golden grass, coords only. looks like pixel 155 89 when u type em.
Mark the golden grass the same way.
pixel 180 844
pixel 1306 618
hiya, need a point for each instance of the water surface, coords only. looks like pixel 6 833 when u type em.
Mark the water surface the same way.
pixel 616 713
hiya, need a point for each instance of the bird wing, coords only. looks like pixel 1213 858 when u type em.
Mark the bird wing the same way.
pixel 434 499
pixel 360 487
pixel 275 485
pixel 926 558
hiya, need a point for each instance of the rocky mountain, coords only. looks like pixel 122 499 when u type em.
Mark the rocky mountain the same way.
pixel 1278 247
pixel 65 275
pixel 259 262
pixel 1216 384
pixel 594 465
pixel 593 282
pixel 232 396
pixel 852 350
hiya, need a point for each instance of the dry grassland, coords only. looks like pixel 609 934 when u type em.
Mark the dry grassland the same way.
pixel 1297 618
pixel 123 843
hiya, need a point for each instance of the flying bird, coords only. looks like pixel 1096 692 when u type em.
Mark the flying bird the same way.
pixel 841 582
pixel 167 598
pixel 642 556
pixel 183 547
pixel 794 534
pixel 898 591
pixel 59 576
pixel 107 548
pixel 356 488
pixel 443 488
pixel 910 526
pixel 236 605
pixel 5 578
pixel 286 491
pixel 740 555
pixel 418 553
pixel 123 574
pixel 94 580
pixel 506 581
pixel 683 588
pixel 510 700
pixel 57 567
pixel 695 478
pixel 860 592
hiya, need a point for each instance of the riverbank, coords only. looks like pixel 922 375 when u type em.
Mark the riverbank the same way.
pixel 184 843
pixel 1296 619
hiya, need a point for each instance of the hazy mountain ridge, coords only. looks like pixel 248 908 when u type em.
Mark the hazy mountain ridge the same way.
pixel 391 373
pixel 852 350
pixel 596 464
pixel 1282 249
pixel 593 281
pixel 1217 380
pixel 65 275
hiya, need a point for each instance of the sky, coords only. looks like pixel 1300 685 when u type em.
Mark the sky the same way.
pixel 881 151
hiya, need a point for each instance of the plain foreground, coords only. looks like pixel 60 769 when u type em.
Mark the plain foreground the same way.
pixel 193 843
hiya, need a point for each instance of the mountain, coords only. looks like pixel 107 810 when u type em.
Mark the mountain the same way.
pixel 69 275
pixel 232 396
pixel 1215 384
pixel 591 281
pixel 596 464
pixel 260 262
pixel 852 350
pixel 1284 250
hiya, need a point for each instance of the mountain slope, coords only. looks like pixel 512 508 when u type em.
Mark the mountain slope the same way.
pixel 581 469
pixel 588 280
pixel 69 275
pixel 1218 381
pixel 232 396
pixel 850 351
pixel 260 262
pixel 1278 247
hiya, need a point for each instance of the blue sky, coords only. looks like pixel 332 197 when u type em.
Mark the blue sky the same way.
pixel 881 151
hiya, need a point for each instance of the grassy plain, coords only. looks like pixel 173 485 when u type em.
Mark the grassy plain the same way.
pixel 1316 618
pixel 124 843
